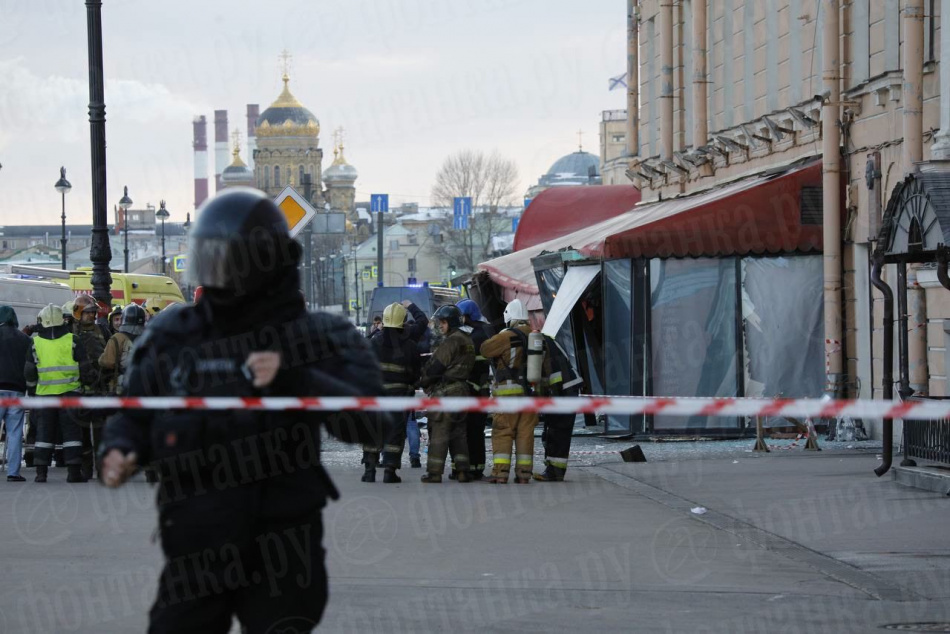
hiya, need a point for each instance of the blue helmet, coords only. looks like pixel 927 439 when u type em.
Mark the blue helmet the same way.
pixel 470 309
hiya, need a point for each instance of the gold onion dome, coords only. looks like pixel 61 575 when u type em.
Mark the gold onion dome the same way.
pixel 340 171
pixel 287 117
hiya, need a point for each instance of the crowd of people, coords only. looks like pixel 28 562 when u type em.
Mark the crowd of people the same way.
pixel 465 357
pixel 78 349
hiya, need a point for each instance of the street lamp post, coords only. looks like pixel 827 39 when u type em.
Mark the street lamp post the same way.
pixel 63 187
pixel 163 214
pixel 100 251
pixel 332 279
pixel 124 204
pixel 322 284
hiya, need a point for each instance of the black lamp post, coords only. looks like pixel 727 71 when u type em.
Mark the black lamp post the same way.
pixel 163 214
pixel 63 187
pixel 100 251
pixel 124 204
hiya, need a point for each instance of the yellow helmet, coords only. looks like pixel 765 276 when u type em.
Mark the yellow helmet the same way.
pixel 50 316
pixel 394 316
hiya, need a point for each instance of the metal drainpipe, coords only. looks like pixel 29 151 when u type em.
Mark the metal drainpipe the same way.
pixel 888 374
pixel 903 340
pixel 913 90
pixel 666 79
pixel 917 333
pixel 831 199
pixel 633 78
pixel 700 123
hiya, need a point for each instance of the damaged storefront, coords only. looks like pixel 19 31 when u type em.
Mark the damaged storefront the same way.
pixel 715 294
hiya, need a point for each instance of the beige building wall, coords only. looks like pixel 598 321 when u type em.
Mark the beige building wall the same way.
pixel 613 147
pixel 765 57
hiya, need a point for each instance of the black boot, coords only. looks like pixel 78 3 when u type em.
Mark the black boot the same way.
pixel 432 478
pixel 86 469
pixel 550 474
pixel 370 459
pixel 41 472
pixel 390 477
pixel 415 463
pixel 74 473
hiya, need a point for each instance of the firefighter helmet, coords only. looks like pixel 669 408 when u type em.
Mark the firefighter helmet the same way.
pixel 394 316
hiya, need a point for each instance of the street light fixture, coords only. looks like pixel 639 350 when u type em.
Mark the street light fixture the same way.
pixel 124 204
pixel 163 214
pixel 63 186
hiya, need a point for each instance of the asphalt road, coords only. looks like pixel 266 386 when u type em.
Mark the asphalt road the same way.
pixel 789 542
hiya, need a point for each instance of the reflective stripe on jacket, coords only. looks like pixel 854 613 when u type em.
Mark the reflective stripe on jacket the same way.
pixel 56 369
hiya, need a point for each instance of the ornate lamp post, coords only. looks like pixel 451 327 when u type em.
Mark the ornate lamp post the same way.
pixel 163 214
pixel 100 251
pixel 63 186
pixel 124 204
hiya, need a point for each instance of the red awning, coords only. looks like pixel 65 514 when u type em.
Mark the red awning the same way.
pixel 558 211
pixel 758 214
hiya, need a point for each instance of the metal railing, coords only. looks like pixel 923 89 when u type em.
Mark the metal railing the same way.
pixel 927 439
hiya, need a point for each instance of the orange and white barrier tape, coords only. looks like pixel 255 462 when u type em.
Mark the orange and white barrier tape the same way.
pixel 620 405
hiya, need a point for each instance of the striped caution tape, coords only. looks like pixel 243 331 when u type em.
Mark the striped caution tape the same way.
pixel 618 405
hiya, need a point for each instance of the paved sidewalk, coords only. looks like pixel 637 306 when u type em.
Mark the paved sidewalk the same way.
pixel 791 543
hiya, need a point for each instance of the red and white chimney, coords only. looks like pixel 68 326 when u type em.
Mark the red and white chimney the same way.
pixel 221 152
pixel 253 112
pixel 200 145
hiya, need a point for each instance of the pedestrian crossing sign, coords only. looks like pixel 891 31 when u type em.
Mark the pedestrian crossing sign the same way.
pixel 352 304
pixel 375 272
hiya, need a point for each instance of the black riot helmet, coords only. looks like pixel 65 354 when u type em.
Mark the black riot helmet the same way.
pixel 450 314
pixel 133 315
pixel 241 244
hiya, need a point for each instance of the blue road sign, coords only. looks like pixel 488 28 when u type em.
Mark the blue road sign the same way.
pixel 514 224
pixel 461 212
pixel 379 202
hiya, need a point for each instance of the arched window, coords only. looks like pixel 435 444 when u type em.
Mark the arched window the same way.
pixel 266 178
pixel 300 180
pixel 277 176
pixel 311 172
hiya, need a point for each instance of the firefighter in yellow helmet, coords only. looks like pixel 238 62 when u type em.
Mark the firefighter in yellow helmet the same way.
pixel 56 365
pixel 508 353
pixel 396 348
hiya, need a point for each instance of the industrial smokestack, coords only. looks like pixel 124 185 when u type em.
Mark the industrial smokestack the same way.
pixel 253 112
pixel 200 145
pixel 221 152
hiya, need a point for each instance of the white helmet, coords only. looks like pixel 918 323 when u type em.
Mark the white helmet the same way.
pixel 515 311
pixel 51 316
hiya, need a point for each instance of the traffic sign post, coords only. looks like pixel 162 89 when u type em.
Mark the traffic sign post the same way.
pixel 296 210
pixel 380 204
pixel 180 263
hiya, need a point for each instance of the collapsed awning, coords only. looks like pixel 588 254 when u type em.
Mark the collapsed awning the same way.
pixel 771 212
pixel 559 211
pixel 575 282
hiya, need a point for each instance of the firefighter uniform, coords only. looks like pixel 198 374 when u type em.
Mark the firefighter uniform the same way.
pixel 559 379
pixel 480 381
pixel 507 350
pixel 92 337
pixel 447 374
pixel 55 366
pixel 396 348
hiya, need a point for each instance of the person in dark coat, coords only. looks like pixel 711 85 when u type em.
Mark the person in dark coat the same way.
pixel 241 492
pixel 14 346
pixel 480 381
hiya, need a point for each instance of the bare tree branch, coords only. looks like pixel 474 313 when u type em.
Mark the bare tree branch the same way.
pixel 491 181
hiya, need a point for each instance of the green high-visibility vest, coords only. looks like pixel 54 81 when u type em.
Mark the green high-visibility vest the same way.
pixel 57 371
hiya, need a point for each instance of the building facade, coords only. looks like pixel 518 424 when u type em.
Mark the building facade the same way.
pixel 740 87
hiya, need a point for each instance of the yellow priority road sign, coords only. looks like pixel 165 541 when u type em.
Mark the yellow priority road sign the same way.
pixel 296 209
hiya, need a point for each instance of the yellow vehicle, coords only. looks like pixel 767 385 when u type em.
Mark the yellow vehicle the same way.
pixel 154 291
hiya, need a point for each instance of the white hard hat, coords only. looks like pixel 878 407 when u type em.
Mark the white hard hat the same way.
pixel 51 316
pixel 515 311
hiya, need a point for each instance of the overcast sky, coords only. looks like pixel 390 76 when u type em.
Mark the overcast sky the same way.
pixel 411 81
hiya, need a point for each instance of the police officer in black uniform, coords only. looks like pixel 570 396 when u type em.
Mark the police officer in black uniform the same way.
pixel 241 491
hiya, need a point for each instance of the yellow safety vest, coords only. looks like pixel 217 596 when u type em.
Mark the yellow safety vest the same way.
pixel 57 371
